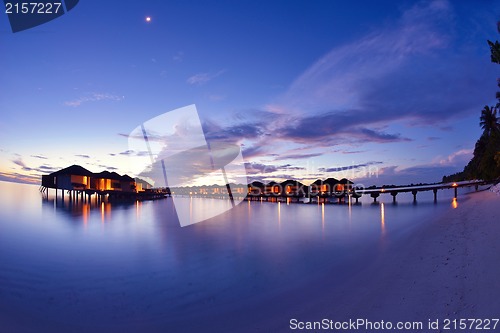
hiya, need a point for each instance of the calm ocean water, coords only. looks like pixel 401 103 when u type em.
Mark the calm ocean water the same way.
pixel 132 268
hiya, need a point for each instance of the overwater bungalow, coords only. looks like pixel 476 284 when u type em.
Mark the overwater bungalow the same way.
pixel 79 181
pixel 111 181
pixel 71 178
pixel 256 188
pixel 77 178
pixel 142 185
pixel 293 188
pixel 272 188
pixel 344 185
pixel 323 187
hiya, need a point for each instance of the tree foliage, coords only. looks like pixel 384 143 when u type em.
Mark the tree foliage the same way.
pixel 485 163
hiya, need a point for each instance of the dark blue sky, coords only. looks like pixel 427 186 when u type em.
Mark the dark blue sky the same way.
pixel 308 88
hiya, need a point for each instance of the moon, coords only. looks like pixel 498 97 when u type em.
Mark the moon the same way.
pixel 148 19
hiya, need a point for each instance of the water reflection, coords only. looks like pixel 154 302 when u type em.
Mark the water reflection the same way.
pixel 382 218
pixel 323 221
pixel 102 212
pixel 279 215
pixel 83 209
pixel 85 213
pixel 454 203
pixel 156 267
pixel 350 207
pixel 138 206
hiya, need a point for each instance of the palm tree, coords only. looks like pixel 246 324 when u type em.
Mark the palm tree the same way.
pixel 495 48
pixel 495 51
pixel 489 120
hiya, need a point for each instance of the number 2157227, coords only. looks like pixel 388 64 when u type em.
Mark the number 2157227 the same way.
pixel 33 8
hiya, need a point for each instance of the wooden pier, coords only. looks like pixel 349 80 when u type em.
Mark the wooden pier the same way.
pixel 86 196
pixel 309 196
pixel 394 191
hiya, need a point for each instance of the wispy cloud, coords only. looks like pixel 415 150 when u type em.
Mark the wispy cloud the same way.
pixel 431 172
pixel 384 76
pixel 94 97
pixel 349 167
pixel 260 168
pixel 457 158
pixel 394 75
pixel 127 152
pixel 107 167
pixel 19 178
pixel 46 168
pixel 82 156
pixel 202 78
pixel 395 175
pixel 19 162
pixel 296 156
pixel 39 156
pixel 33 171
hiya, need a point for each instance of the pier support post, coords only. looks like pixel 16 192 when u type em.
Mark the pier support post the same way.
pixel 456 192
pixel 394 194
pixel 414 196
pixel 374 195
pixel 435 194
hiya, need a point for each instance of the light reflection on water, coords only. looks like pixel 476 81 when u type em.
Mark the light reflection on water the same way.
pixel 81 263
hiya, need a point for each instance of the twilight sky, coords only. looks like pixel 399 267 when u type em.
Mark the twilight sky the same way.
pixel 380 92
